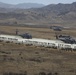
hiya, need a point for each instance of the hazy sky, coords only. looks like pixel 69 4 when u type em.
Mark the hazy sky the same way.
pixel 37 1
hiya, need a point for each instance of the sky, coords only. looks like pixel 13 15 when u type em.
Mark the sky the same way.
pixel 46 2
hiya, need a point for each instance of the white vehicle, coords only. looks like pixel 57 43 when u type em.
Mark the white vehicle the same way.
pixel 37 42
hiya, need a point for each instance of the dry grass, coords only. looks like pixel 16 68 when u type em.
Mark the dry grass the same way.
pixel 20 58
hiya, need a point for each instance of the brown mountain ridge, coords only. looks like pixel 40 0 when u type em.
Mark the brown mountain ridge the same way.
pixel 59 14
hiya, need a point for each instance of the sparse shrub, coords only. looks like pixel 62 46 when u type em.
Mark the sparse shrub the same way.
pixel 56 73
pixel 5 73
pixel 42 73
pixel 25 73
pixel 21 57
pixel 35 60
pixel 11 73
pixel 49 73
pixel 71 70
pixel 36 52
pixel 11 59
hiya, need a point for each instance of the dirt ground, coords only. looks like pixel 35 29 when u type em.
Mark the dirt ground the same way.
pixel 18 59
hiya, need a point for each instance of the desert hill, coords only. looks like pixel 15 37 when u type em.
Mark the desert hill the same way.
pixel 59 14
